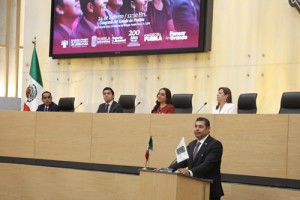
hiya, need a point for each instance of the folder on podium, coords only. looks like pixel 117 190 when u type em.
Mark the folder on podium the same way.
pixel 155 185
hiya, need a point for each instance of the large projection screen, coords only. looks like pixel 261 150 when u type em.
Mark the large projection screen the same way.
pixel 93 28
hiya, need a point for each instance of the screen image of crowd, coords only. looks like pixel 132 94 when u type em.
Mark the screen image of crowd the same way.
pixel 82 26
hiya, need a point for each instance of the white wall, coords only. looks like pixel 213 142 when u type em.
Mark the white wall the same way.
pixel 242 32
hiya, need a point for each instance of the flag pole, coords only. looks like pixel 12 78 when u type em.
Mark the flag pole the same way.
pixel 145 168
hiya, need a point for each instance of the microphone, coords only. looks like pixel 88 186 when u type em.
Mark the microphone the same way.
pixel 135 107
pixel 23 105
pixel 201 107
pixel 78 106
pixel 170 169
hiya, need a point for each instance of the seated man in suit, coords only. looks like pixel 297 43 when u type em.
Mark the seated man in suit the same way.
pixel 110 106
pixel 48 105
pixel 205 154
pixel 66 12
pixel 92 10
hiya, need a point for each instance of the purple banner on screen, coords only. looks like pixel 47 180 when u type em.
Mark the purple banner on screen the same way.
pixel 90 26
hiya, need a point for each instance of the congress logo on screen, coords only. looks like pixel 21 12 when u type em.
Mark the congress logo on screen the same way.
pixel 295 3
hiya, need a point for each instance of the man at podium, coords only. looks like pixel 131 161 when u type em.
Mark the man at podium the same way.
pixel 205 154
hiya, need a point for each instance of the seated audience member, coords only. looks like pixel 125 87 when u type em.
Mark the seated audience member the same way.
pixel 225 105
pixel 164 102
pixel 110 106
pixel 185 17
pixel 48 105
pixel 66 12
pixel 88 24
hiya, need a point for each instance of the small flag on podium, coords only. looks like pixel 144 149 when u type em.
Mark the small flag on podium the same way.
pixel 149 150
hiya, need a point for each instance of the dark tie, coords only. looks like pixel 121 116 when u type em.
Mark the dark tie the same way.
pixel 106 108
pixel 196 150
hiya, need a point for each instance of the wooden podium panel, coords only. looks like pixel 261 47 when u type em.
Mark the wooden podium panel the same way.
pixel 167 131
pixel 253 144
pixel 120 139
pixel 17 134
pixel 171 186
pixel 293 164
pixel 63 136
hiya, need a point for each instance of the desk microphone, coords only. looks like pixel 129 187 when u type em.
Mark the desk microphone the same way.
pixel 78 106
pixel 135 107
pixel 201 107
pixel 23 105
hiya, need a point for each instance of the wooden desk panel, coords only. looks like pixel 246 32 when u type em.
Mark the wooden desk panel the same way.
pixel 247 192
pixel 63 136
pixel 17 134
pixel 127 187
pixel 293 165
pixel 253 144
pixel 66 184
pixel 167 131
pixel 10 184
pixel 120 139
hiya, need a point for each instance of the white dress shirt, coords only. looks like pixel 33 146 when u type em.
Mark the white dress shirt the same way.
pixel 201 143
pixel 228 108
pixel 109 105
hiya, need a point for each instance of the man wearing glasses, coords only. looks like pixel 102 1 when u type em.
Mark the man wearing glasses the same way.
pixel 48 105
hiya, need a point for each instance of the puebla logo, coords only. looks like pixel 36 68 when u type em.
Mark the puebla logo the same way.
pixel 295 3
pixel 31 92
pixel 180 150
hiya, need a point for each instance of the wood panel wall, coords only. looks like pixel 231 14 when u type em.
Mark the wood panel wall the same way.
pixel 25 182
pixel 255 145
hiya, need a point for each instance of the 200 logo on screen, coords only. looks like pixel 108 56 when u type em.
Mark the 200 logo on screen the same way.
pixel 295 3
pixel 134 36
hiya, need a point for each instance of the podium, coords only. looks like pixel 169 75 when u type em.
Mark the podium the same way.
pixel 172 186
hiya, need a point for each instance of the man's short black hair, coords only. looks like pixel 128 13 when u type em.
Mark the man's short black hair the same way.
pixel 84 3
pixel 45 93
pixel 108 88
pixel 206 121
pixel 59 3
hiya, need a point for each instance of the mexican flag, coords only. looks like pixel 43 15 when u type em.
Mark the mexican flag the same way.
pixel 149 148
pixel 35 85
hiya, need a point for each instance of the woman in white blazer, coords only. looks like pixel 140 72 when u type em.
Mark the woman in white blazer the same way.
pixel 225 105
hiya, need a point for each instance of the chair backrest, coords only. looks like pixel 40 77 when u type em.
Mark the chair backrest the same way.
pixel 290 103
pixel 247 103
pixel 127 102
pixel 183 103
pixel 66 104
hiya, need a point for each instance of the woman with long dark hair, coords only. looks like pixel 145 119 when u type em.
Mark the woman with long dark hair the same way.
pixel 160 17
pixel 225 105
pixel 164 102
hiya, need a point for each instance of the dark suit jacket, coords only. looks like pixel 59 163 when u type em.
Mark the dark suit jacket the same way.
pixel 185 16
pixel 60 34
pixel 83 30
pixel 111 31
pixel 52 108
pixel 115 108
pixel 207 163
